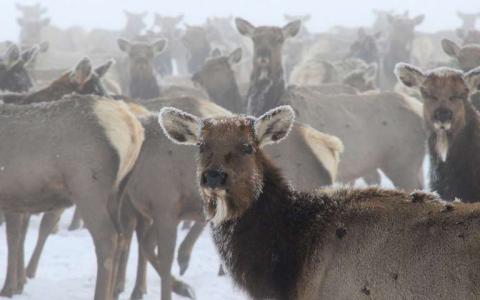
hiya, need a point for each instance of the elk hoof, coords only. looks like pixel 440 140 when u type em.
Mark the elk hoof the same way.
pixel 183 289
pixel 30 272
pixel 137 294
pixel 183 262
pixel 75 226
pixel 7 292
pixel 221 271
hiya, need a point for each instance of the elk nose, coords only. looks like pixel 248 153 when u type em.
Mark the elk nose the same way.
pixel 443 115
pixel 214 179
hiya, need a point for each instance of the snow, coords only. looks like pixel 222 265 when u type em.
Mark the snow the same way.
pixel 67 269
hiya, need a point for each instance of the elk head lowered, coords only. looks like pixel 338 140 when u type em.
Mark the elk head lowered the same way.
pixel 230 161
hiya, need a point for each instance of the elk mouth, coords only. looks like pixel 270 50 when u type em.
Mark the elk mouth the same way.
pixel 442 126
pixel 215 208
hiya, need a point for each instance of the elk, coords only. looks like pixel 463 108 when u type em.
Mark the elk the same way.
pixel 14 76
pixel 358 120
pixel 180 198
pixel 399 46
pixel 142 83
pixel 453 127
pixel 85 164
pixel 468 56
pixel 335 243
pixel 365 47
pixel 198 47
pixel 468 20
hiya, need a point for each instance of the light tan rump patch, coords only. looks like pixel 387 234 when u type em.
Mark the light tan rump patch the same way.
pixel 124 132
pixel 327 148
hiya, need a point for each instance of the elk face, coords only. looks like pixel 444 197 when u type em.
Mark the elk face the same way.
pixel 229 166
pixel 468 57
pixel 135 22
pixel 141 55
pixel 365 47
pixel 217 72
pixel 14 76
pixel 403 27
pixel 446 93
pixel 267 43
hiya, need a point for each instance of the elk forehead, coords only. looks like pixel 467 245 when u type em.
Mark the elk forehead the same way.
pixel 445 82
pixel 228 130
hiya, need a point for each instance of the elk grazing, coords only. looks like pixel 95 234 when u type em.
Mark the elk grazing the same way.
pixel 280 243
pixel 358 120
pixel 453 127
pixel 54 165
pixel 316 166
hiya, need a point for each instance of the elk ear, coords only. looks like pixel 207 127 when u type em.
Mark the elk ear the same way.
pixel 274 125
pixel 12 56
pixel 30 54
pixel 124 45
pixel 103 69
pixel 82 72
pixel 409 75
pixel 472 78
pixel 450 48
pixel 244 27
pixel 159 46
pixel 179 126
pixel 418 19
pixel 235 56
pixel 292 28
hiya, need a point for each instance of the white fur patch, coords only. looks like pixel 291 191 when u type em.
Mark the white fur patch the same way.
pixel 124 131
pixel 221 212
pixel 441 146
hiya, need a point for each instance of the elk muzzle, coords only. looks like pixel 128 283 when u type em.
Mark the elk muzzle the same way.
pixel 214 179
pixel 442 118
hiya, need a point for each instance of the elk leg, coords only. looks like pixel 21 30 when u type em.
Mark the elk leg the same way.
pixel 13 230
pixel 141 279
pixel 47 225
pixel 76 221
pixel 186 225
pixel 186 247
pixel 21 276
pixel 2 217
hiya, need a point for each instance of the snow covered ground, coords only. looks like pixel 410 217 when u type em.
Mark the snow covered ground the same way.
pixel 68 267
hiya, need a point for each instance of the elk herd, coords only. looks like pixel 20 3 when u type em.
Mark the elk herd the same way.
pixel 100 120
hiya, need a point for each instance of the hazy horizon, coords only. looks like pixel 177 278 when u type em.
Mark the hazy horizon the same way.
pixel 108 14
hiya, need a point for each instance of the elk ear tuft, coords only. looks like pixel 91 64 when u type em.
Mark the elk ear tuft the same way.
pixel 292 28
pixel 274 125
pixel 244 27
pixel 124 45
pixel 179 126
pixel 450 48
pixel 82 72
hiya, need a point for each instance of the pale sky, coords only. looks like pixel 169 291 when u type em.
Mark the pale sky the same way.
pixel 441 14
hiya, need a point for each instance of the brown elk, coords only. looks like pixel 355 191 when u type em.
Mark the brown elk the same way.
pixel 86 164
pixel 180 198
pixel 453 128
pixel 468 56
pixel 281 243
pixel 358 120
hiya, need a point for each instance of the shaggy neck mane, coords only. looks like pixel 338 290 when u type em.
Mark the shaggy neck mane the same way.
pixel 265 94
pixel 456 176
pixel 266 248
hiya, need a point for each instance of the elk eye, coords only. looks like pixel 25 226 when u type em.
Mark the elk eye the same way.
pixel 247 148
pixel 201 147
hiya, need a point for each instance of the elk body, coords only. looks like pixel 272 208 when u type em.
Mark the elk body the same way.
pixel 281 243
pixel 370 126
pixel 86 164
pixel 453 126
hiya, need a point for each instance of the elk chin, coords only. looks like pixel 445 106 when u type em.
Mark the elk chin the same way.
pixel 442 142
pixel 215 205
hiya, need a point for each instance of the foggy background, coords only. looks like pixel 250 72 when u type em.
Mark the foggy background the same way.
pixel 440 14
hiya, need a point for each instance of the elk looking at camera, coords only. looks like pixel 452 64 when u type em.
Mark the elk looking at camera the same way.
pixel 453 126
pixel 281 243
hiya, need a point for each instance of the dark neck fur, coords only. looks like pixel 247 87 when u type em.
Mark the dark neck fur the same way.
pixel 144 88
pixel 266 248
pixel 459 175
pixel 265 94
pixel 227 96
